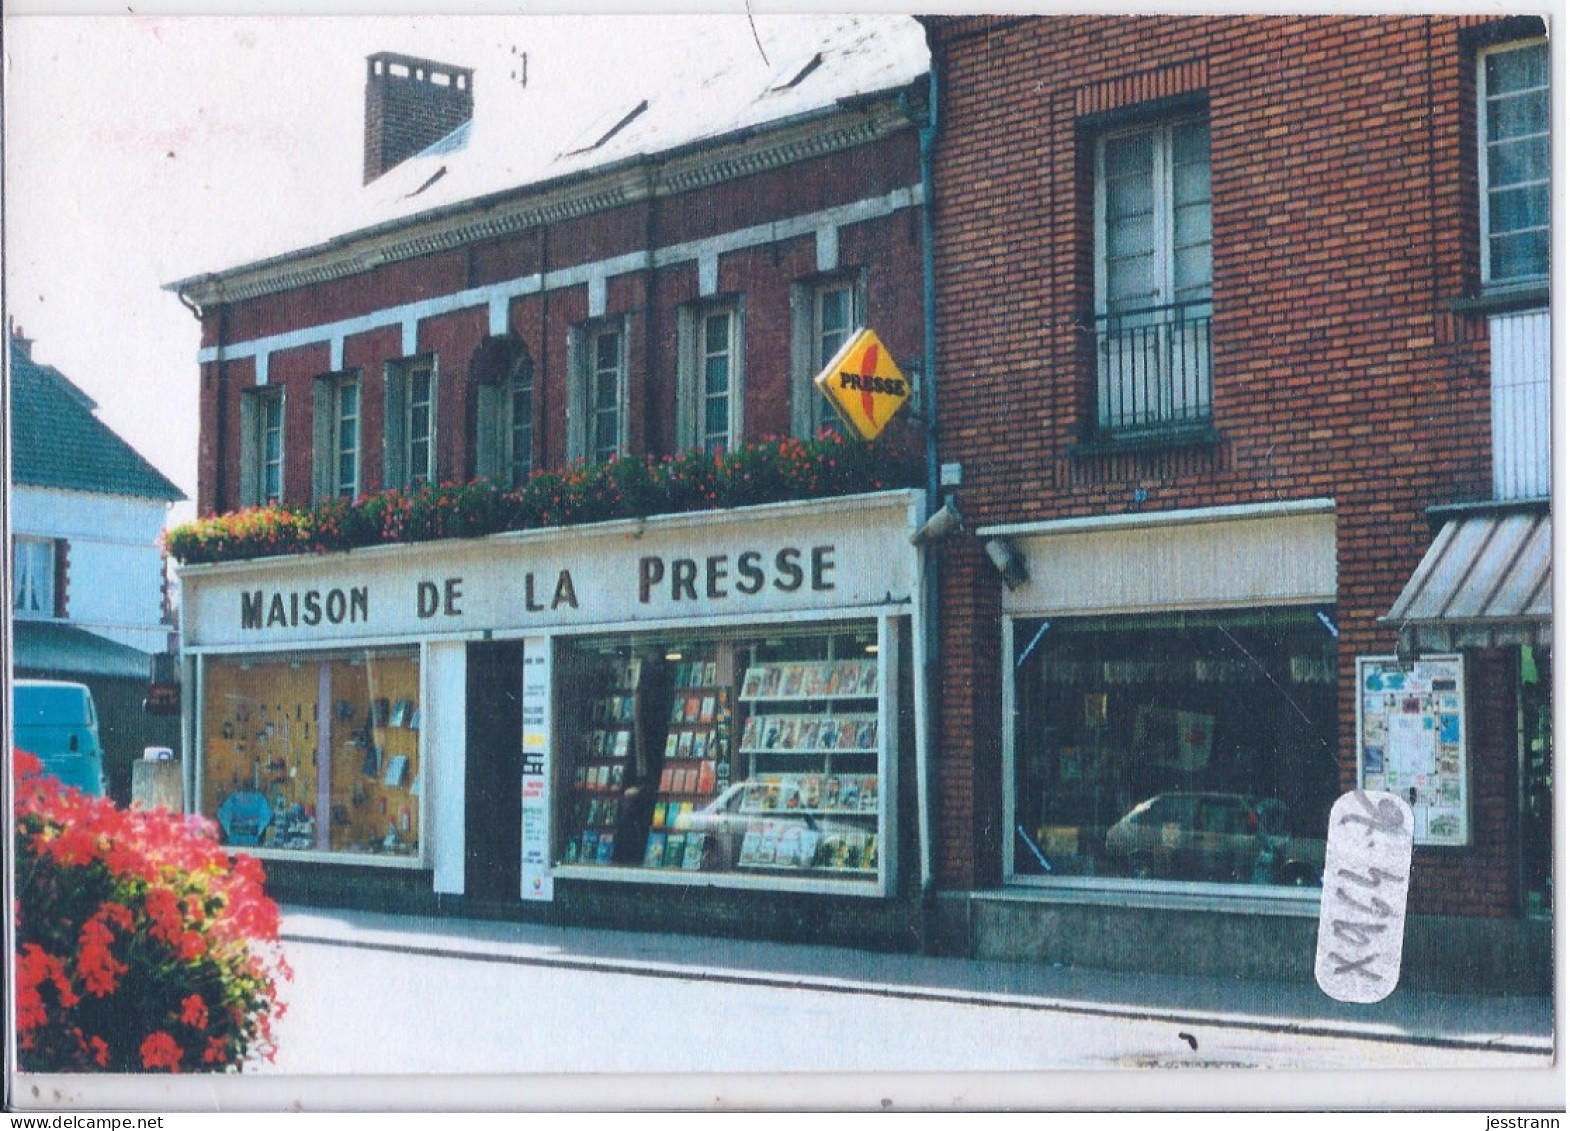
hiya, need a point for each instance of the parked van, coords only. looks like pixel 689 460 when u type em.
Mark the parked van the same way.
pixel 58 722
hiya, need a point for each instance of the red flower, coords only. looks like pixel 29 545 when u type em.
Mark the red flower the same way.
pixel 193 1012
pixel 160 1050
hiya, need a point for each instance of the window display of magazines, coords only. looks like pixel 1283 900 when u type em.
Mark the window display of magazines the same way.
pixel 810 734
pixel 696 766
pixel 601 773
pixel 824 679
pixel 816 821
pixel 789 845
pixel 827 794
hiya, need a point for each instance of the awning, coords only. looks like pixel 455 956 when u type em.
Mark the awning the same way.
pixel 1486 582
pixel 61 651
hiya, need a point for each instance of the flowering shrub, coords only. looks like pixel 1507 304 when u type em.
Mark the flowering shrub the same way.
pixel 141 946
pixel 767 471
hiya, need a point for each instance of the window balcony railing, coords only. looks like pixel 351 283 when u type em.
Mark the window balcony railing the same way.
pixel 1153 368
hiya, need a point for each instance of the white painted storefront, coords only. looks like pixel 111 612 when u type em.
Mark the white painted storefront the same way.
pixel 786 590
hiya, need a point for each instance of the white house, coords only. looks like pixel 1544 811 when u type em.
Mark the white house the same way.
pixel 89 597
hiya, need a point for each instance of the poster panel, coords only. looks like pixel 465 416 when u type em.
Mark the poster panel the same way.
pixel 535 790
pixel 1411 741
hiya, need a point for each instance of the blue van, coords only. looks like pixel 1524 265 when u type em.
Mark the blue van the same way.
pixel 58 722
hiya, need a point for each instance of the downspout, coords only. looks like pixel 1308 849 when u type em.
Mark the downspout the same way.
pixel 651 235
pixel 221 415
pixel 541 422
pixel 927 131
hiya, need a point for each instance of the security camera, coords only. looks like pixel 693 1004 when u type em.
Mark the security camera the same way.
pixel 943 522
pixel 1007 561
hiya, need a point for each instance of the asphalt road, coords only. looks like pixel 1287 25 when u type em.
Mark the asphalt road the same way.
pixel 382 1011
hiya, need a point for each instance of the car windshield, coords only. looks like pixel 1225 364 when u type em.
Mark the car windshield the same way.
pixel 49 706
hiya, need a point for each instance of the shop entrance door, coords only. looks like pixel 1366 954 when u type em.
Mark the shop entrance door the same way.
pixel 492 813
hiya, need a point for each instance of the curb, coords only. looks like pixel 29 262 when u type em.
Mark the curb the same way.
pixel 1515 1043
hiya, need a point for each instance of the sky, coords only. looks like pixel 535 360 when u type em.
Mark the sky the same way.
pixel 142 150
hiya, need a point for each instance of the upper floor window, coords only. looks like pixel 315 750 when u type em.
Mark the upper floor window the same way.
pixel 33 593
pixel 1153 275
pixel 518 413
pixel 826 314
pixel 409 435
pixel 261 446
pixel 502 372
pixel 1513 157
pixel 709 392
pixel 337 436
pixel 599 393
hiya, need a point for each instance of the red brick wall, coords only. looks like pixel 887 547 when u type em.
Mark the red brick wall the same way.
pixel 887 250
pixel 1344 224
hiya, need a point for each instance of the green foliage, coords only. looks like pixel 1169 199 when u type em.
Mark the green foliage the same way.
pixel 768 471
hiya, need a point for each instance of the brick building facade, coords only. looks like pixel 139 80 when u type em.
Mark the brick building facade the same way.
pixel 1239 346
pixel 1228 275
pixel 665 277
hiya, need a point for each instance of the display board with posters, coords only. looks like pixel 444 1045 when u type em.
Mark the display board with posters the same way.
pixel 1411 740
pixel 535 794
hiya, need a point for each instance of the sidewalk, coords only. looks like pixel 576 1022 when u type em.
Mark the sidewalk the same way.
pixel 1504 1024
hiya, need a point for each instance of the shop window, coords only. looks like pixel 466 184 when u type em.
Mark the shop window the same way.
pixel 597 404
pixel 410 429
pixel 1153 277
pixel 1198 748
pixel 760 757
pixel 314 754
pixel 336 440
pixel 1513 162
pixel 261 446
pixel 709 392
pixel 825 314
pixel 35 594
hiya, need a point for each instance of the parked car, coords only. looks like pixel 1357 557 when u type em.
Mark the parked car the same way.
pixel 58 722
pixel 779 824
pixel 1214 836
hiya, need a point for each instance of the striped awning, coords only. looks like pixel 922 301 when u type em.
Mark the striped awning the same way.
pixel 1486 582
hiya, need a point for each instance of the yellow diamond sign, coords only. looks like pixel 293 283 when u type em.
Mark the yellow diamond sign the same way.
pixel 864 385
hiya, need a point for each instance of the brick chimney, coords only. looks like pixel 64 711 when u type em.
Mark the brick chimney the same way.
pixel 411 104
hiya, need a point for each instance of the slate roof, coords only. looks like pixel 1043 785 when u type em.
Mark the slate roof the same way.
pixel 57 441
pixel 657 85
pixel 63 651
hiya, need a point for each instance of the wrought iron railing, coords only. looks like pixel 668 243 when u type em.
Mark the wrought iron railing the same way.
pixel 1153 368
